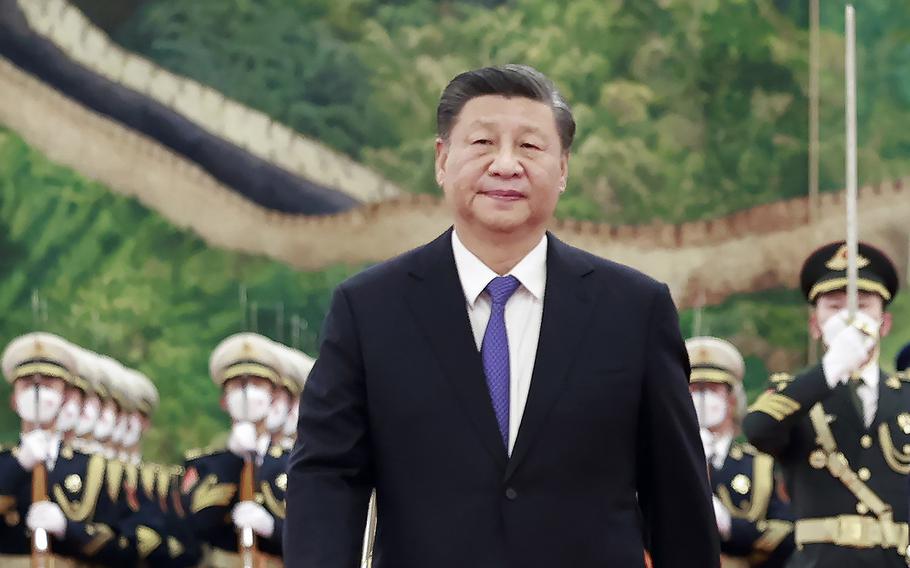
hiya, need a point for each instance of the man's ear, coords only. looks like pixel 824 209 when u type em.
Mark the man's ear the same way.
pixel 887 322
pixel 563 172
pixel 815 331
pixel 442 154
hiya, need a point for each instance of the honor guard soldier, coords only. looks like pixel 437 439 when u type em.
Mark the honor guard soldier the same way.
pixel 273 473
pixel 755 525
pixel 87 367
pixel 48 492
pixel 109 372
pixel 223 497
pixel 902 361
pixel 298 366
pixel 158 540
pixel 841 429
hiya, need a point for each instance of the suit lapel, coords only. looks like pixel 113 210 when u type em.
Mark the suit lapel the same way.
pixel 566 311
pixel 438 304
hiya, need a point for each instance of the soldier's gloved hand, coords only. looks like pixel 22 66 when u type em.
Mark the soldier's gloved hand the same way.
pixel 34 448
pixel 48 516
pixel 848 352
pixel 242 441
pixel 724 520
pixel 835 324
pixel 839 321
pixel 250 514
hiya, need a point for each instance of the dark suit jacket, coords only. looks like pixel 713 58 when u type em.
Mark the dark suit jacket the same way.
pixel 608 449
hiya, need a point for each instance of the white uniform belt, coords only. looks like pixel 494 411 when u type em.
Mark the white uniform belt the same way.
pixel 220 558
pixel 25 561
pixel 733 562
pixel 853 531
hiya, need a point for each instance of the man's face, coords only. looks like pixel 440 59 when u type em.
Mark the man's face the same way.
pixel 714 404
pixel 827 305
pixel 503 167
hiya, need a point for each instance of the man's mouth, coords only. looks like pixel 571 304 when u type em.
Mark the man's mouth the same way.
pixel 503 194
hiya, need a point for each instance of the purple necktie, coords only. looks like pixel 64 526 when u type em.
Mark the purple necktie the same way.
pixel 495 351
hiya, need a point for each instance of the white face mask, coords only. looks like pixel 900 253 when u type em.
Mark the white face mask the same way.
pixel 278 413
pixel 254 408
pixel 69 415
pixel 90 411
pixel 41 409
pixel 119 430
pixel 290 425
pixel 105 425
pixel 133 431
pixel 710 407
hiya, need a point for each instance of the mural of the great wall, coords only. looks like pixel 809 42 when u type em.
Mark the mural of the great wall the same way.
pixel 148 209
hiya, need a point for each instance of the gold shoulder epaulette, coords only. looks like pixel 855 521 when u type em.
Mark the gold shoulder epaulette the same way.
pixel 749 449
pixel 197 453
pixel 780 378
pixel 194 453
pixel 904 376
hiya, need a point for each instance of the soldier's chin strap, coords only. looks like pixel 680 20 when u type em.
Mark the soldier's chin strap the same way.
pixel 892 535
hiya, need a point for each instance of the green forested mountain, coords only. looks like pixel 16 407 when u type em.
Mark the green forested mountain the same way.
pixel 686 109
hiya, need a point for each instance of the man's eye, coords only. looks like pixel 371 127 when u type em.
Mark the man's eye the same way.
pixel 530 146
pixel 482 142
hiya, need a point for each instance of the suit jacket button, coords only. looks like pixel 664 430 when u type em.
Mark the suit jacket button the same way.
pixel 511 494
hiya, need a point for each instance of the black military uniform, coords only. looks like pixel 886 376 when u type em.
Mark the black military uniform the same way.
pixel 902 361
pixel 272 484
pixel 211 491
pixel 74 483
pixel 761 526
pixel 761 531
pixel 847 481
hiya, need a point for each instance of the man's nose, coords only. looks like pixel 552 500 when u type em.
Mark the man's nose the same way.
pixel 506 164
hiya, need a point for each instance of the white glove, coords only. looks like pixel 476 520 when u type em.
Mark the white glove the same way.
pixel 250 514
pixel 34 448
pixel 847 353
pixel 48 516
pixel 242 441
pixel 840 321
pixel 724 521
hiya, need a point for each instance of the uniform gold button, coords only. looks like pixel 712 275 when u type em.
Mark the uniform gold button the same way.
pixel 741 484
pixel 861 509
pixel 866 441
pixel 864 473
pixel 818 459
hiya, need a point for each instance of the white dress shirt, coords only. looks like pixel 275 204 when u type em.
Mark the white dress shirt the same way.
pixel 868 392
pixel 523 315
pixel 719 449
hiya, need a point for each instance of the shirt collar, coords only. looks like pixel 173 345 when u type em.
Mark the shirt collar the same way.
pixel 722 444
pixel 871 375
pixel 474 275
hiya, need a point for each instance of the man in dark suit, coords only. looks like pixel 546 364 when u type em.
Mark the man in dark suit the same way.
pixel 514 401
